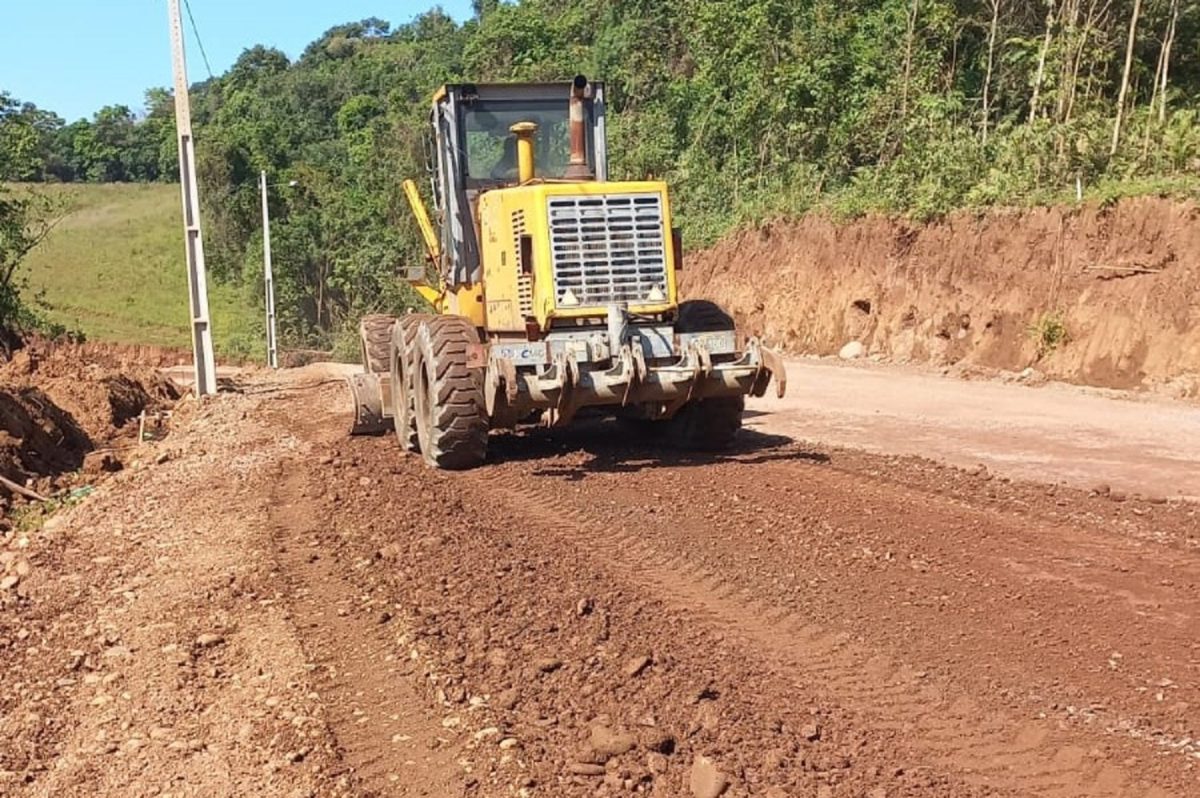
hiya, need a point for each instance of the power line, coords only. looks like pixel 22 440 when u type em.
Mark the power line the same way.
pixel 196 31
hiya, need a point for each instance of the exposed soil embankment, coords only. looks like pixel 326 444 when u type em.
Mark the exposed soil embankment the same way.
pixel 1100 296
pixel 61 403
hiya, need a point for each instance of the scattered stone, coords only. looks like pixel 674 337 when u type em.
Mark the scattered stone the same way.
pixel 508 699
pixel 636 665
pixel 364 482
pixel 658 741
pixel 585 769
pixel 548 664
pixel 9 582
pixel 162 457
pixel 811 732
pixel 707 717
pixel 705 780
pixel 384 617
pixel 584 607
pixel 209 639
pixel 609 743
pixel 774 759
pixel 877 792
pixel 508 742
pixel 775 792
pixel 852 351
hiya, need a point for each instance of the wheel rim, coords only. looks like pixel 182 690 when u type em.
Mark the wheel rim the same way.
pixel 421 386
pixel 399 400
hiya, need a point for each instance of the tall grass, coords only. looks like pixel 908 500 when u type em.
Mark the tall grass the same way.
pixel 114 270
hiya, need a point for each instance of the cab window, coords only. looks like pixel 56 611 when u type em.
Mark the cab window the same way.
pixel 491 152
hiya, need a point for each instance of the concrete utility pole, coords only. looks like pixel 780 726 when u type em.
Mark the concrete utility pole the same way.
pixel 202 347
pixel 268 277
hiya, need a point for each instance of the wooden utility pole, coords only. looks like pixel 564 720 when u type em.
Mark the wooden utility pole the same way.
pixel 202 347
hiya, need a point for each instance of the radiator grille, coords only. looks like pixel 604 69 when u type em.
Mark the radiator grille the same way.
pixel 608 249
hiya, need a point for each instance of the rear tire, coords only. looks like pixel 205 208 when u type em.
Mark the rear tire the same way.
pixel 705 425
pixel 404 414
pixel 451 415
pixel 375 336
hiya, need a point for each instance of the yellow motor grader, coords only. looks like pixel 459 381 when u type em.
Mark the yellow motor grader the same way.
pixel 555 291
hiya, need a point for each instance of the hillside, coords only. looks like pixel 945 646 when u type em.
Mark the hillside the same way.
pixel 1093 294
pixel 113 269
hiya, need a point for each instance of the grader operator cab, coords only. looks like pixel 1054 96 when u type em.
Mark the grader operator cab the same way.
pixel 554 292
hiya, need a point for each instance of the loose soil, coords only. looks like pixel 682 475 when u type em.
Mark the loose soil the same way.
pixel 273 609
pixel 1094 295
pixel 68 412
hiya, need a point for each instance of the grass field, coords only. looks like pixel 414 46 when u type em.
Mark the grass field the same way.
pixel 114 269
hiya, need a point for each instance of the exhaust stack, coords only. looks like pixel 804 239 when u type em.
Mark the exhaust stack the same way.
pixel 577 167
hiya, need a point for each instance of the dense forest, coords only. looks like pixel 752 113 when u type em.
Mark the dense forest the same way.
pixel 748 107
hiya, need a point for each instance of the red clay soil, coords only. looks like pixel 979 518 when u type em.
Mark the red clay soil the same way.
pixel 967 290
pixel 275 610
pixel 60 402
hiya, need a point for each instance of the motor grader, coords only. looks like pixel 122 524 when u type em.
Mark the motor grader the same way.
pixel 555 291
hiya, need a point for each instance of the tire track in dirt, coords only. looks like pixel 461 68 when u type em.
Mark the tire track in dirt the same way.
pixel 388 740
pixel 945 727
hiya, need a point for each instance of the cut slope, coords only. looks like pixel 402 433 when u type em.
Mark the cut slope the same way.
pixel 114 269
pixel 1095 295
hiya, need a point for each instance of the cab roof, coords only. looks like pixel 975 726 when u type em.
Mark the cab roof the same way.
pixel 510 91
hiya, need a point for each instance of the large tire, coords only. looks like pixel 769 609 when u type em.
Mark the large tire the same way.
pixel 700 315
pixel 705 425
pixel 452 421
pixel 375 336
pixel 403 346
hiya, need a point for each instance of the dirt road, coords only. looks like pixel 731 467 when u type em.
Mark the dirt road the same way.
pixel 276 610
pixel 1054 432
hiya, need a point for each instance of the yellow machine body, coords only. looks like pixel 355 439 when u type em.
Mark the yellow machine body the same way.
pixel 517 293
pixel 555 289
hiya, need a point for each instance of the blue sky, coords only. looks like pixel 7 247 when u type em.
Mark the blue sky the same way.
pixel 75 56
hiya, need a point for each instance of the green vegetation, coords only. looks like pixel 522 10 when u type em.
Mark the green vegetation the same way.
pixel 116 145
pixel 113 269
pixel 750 108
pixel 1049 332
pixel 25 220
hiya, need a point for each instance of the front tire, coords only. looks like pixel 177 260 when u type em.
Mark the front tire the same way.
pixel 403 355
pixel 451 415
pixel 706 424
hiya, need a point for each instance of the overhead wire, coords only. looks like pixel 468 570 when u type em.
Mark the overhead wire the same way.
pixel 196 32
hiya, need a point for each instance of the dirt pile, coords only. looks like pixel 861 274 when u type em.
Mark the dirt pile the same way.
pixel 1094 295
pixel 60 404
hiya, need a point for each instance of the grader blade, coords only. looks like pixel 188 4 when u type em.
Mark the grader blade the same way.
pixel 367 391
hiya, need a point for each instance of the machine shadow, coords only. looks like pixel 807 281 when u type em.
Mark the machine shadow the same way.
pixel 616 448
